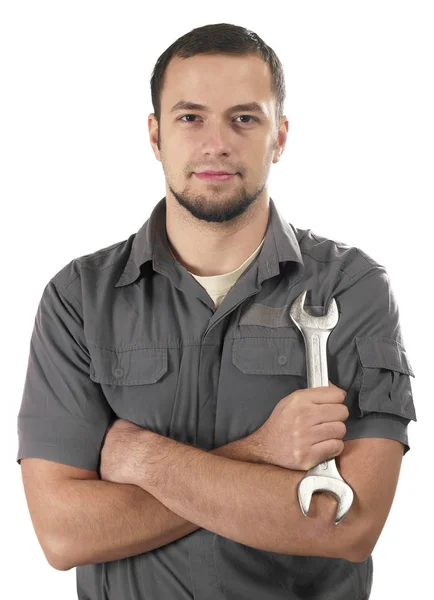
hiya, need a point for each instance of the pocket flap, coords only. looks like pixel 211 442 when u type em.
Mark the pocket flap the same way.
pixel 385 384
pixel 270 356
pixel 127 367
pixel 385 353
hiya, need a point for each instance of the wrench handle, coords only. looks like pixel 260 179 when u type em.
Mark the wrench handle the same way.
pixel 316 357
pixel 317 372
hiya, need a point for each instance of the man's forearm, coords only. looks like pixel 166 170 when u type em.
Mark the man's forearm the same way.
pixel 253 504
pixel 101 521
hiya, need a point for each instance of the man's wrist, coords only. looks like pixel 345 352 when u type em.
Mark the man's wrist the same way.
pixel 150 446
pixel 161 455
pixel 243 449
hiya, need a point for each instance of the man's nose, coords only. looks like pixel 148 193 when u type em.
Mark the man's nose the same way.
pixel 217 139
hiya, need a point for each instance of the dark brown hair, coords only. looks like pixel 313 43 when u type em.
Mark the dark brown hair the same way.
pixel 219 38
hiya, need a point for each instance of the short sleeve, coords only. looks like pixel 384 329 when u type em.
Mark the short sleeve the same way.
pixel 369 360
pixel 64 415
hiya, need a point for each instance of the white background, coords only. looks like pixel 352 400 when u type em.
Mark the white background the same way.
pixel 78 174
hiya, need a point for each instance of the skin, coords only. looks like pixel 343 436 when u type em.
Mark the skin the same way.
pixel 214 226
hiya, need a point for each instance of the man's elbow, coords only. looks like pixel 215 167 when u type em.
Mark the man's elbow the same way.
pixel 56 558
pixel 60 566
pixel 358 555
pixel 355 550
pixel 360 548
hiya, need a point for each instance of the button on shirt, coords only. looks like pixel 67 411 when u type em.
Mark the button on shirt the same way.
pixel 128 332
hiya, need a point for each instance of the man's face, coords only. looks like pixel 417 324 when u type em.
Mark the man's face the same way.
pixel 218 138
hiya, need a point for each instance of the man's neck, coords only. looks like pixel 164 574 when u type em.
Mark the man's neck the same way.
pixel 208 249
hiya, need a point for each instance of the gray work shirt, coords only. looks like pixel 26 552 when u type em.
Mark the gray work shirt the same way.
pixel 127 332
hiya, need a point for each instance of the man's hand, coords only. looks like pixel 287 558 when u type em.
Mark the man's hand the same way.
pixel 304 429
pixel 123 455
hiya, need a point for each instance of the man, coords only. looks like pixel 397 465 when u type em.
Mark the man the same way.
pixel 166 423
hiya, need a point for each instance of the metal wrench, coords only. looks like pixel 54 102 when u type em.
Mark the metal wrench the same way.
pixel 325 477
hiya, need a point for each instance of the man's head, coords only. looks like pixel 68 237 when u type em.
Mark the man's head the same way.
pixel 219 67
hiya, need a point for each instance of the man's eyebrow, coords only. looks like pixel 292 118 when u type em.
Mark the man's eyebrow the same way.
pixel 249 107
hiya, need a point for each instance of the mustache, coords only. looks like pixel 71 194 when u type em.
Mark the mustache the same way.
pixel 226 168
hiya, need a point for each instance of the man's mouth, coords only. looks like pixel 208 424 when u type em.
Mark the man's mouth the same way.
pixel 215 176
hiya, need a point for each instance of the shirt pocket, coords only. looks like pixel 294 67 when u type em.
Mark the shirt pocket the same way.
pixel 385 385
pixel 137 382
pixel 136 366
pixel 269 356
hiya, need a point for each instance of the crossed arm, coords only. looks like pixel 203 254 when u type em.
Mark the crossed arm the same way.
pixel 253 504
pixel 256 504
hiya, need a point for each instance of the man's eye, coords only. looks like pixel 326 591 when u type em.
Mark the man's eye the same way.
pixel 181 118
pixel 248 116
pixel 191 115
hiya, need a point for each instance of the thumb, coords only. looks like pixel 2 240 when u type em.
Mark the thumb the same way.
pixel 331 384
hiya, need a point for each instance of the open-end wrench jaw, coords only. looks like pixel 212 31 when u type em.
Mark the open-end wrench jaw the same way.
pixel 332 483
pixel 324 477
pixel 304 320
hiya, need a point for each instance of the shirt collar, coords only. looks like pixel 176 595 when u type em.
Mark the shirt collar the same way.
pixel 150 243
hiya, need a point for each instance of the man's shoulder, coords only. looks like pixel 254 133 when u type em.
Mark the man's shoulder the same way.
pixel 323 249
pixel 101 261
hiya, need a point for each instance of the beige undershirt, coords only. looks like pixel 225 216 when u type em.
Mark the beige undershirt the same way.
pixel 218 286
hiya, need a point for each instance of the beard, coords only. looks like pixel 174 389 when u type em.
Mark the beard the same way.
pixel 218 207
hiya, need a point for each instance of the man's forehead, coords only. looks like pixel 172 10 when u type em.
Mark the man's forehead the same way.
pixel 198 85
pixel 209 69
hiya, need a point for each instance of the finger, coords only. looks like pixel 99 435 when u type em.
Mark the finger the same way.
pixel 327 450
pixel 326 413
pixel 327 394
pixel 327 431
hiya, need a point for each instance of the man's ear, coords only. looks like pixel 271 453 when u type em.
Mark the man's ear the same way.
pixel 154 135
